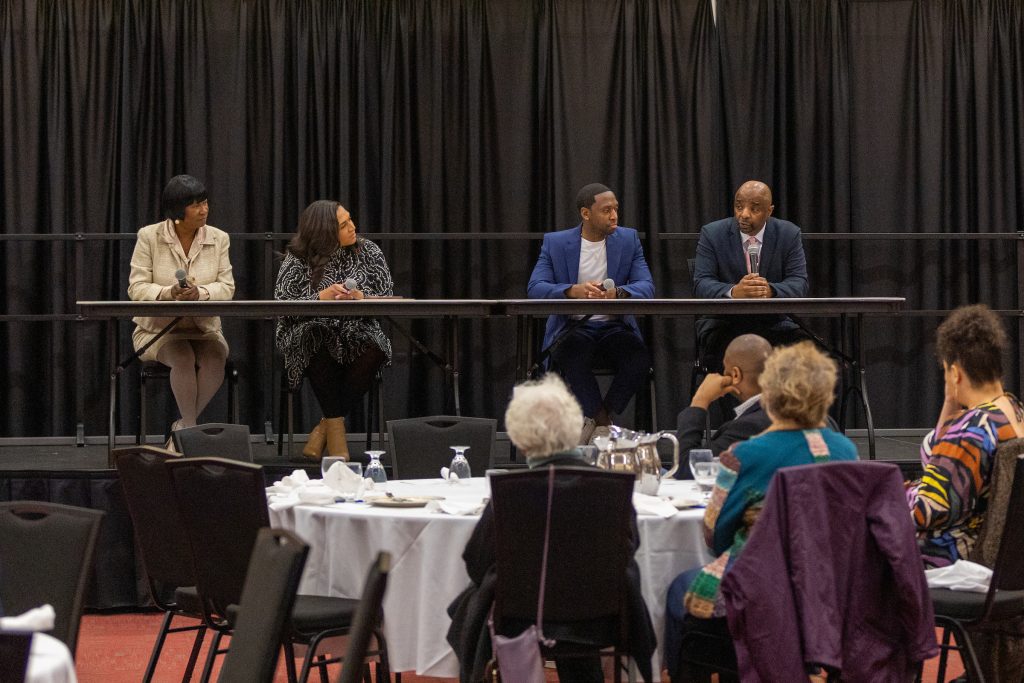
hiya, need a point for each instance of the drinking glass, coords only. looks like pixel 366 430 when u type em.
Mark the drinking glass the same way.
pixel 704 466
pixel 375 470
pixel 460 466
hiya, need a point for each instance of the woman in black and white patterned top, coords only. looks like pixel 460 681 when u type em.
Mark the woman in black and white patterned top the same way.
pixel 340 356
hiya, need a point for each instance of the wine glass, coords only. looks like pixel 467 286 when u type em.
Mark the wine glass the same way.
pixel 704 466
pixel 460 466
pixel 375 470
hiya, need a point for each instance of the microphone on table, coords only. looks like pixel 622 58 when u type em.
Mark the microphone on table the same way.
pixel 350 284
pixel 754 255
pixel 180 274
pixel 608 284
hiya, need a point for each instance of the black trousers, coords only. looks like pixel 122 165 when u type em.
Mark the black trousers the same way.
pixel 602 344
pixel 340 388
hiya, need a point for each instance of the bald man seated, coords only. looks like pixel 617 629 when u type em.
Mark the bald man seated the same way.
pixel 744 361
pixel 749 256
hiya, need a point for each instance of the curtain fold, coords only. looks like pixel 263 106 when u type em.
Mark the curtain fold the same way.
pixel 486 116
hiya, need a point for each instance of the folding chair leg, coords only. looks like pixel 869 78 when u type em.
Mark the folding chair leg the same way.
pixel 943 655
pixel 210 657
pixel 193 656
pixel 322 668
pixel 289 658
pixel 157 647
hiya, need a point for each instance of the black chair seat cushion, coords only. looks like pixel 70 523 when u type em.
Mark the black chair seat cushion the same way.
pixel 967 605
pixel 187 600
pixel 313 614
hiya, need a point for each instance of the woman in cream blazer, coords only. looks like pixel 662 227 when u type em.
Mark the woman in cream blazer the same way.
pixel 195 350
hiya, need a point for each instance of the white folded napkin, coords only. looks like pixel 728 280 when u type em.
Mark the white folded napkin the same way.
pixel 652 505
pixel 960 576
pixel 36 619
pixel 296 479
pixel 344 481
pixel 451 507
pixel 449 476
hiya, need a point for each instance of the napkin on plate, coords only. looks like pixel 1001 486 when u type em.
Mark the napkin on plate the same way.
pixel 451 507
pixel 289 483
pixel 652 505
pixel 36 619
pixel 960 576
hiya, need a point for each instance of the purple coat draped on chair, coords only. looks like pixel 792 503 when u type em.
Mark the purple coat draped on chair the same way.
pixel 831 576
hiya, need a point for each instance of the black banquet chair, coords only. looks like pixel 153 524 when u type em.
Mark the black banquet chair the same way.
pixel 367 620
pixel 46 553
pixel 163 546
pixel 585 605
pixel 420 446
pixel 214 440
pixel 14 652
pixel 223 505
pixel 960 612
pixel 268 596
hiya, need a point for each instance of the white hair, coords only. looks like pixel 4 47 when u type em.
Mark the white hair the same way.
pixel 543 417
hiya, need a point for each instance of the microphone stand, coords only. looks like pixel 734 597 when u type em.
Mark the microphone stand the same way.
pixel 849 363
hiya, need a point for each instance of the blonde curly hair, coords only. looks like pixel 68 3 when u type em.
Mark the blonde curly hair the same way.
pixel 797 384
pixel 543 417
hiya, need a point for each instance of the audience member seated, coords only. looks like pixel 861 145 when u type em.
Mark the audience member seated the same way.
pixel 797 388
pixel 744 361
pixel 340 355
pixel 950 501
pixel 543 420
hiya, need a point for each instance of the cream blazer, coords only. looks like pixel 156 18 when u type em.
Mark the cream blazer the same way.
pixel 157 256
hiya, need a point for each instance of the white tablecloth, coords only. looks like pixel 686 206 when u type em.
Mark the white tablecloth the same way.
pixel 427 570
pixel 50 661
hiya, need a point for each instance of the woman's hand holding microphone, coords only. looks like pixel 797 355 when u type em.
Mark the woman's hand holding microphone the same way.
pixel 346 291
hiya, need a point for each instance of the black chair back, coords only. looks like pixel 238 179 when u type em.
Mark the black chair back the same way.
pixel 14 652
pixel 366 620
pixel 214 440
pixel 591 521
pixel 223 505
pixel 46 553
pixel 159 530
pixel 1008 572
pixel 420 446
pixel 267 599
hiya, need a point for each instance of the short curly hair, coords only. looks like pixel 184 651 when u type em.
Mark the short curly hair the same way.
pixel 543 417
pixel 798 383
pixel 973 337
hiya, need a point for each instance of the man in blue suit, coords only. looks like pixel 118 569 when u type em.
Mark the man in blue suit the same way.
pixel 723 270
pixel 573 264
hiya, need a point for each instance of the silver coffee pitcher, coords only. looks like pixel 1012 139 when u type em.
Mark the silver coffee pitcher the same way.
pixel 627 451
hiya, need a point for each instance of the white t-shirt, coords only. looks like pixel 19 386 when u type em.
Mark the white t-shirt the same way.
pixel 593 266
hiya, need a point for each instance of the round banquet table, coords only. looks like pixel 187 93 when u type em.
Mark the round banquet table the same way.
pixel 427 571
pixel 49 661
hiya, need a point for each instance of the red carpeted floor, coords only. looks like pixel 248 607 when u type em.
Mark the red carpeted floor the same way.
pixel 115 648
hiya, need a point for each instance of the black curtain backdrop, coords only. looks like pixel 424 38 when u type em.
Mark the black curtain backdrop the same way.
pixel 485 116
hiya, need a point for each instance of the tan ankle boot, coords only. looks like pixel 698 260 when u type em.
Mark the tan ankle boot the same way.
pixel 317 438
pixel 337 441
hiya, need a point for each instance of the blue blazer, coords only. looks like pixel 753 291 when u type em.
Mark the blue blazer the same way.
pixel 721 263
pixel 558 268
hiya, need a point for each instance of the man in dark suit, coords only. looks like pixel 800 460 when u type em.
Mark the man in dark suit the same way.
pixel 744 361
pixel 723 270
pixel 573 264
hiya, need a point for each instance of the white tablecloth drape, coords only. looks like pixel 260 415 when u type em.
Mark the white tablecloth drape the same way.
pixel 50 661
pixel 427 569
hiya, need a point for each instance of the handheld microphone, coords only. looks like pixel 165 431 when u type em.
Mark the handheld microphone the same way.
pixel 754 255
pixel 608 284
pixel 350 284
pixel 180 274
